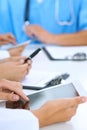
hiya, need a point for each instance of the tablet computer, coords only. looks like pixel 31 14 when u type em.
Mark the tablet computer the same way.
pixel 68 90
pixel 38 98
pixel 19 45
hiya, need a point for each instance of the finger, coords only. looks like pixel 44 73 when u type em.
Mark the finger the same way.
pixel 21 94
pixel 11 38
pixel 17 62
pixel 15 87
pixel 29 68
pixel 29 62
pixel 25 68
pixel 29 31
pixel 9 96
pixel 7 38
pixel 15 58
pixel 31 34
pixel 76 101
pixel 80 99
pixel 4 42
pixel 20 49
pixel 22 59
pixel 71 111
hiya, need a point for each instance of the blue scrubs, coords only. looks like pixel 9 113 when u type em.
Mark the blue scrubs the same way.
pixel 43 14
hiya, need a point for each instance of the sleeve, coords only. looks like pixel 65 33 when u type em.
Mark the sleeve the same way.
pixel 4 54
pixel 83 15
pixel 17 120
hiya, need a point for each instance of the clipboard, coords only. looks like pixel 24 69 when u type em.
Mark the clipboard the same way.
pixel 76 56
pixel 50 56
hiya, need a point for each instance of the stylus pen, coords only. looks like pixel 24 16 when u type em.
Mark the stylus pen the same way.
pixel 33 54
pixel 57 80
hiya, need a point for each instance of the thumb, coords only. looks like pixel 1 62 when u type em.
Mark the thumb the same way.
pixel 77 100
pixel 9 96
pixel 80 99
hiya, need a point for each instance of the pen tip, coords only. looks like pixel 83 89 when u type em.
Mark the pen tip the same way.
pixel 65 76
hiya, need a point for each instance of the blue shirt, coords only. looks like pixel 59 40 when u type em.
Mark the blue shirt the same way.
pixel 47 14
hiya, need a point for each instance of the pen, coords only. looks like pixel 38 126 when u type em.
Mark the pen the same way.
pixel 57 80
pixel 33 54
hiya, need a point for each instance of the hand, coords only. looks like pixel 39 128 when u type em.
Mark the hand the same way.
pixel 41 34
pixel 11 91
pixel 20 59
pixel 58 110
pixel 17 51
pixel 14 71
pixel 7 38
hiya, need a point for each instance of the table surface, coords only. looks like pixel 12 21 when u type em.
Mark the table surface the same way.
pixel 77 71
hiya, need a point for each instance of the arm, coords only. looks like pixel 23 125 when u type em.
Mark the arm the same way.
pixel 79 38
pixel 75 39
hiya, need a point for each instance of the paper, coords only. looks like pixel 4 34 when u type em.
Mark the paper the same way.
pixel 38 78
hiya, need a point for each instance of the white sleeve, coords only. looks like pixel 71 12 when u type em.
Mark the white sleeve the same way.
pixel 17 119
pixel 4 54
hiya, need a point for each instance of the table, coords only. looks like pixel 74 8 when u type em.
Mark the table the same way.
pixel 77 71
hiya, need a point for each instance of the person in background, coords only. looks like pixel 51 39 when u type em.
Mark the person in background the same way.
pixel 6 39
pixel 51 112
pixel 59 22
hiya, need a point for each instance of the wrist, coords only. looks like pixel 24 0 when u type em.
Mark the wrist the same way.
pixel 52 39
pixel 39 113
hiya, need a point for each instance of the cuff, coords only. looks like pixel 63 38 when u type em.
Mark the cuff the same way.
pixel 4 54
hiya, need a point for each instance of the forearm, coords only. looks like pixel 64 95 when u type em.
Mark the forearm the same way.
pixel 75 39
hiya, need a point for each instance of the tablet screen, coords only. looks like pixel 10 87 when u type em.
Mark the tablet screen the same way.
pixel 59 91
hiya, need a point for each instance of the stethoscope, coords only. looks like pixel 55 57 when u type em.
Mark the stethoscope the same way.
pixel 57 8
pixel 26 15
pixel 57 11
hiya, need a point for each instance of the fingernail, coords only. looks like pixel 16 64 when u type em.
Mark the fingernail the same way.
pixel 27 99
pixel 84 99
pixel 15 97
pixel 29 61
pixel 22 61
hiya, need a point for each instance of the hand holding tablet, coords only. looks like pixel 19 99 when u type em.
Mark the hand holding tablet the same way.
pixel 18 49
